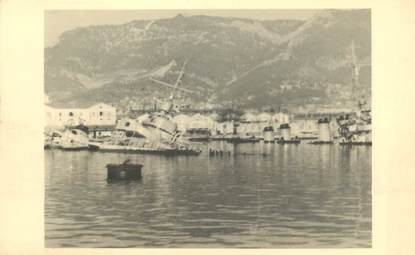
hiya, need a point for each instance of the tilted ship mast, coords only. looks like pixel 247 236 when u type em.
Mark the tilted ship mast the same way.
pixel 168 107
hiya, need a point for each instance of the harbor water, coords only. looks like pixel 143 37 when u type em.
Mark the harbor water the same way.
pixel 261 196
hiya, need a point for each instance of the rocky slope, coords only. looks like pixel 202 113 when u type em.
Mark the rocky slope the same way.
pixel 252 62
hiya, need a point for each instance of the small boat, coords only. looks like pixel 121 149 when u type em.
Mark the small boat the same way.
pixel 124 171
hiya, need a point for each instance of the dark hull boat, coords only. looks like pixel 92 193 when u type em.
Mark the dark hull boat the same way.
pixel 293 141
pixel 237 140
pixel 124 172
pixel 321 142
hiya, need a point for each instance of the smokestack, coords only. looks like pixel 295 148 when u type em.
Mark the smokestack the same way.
pixel 285 130
pixel 324 134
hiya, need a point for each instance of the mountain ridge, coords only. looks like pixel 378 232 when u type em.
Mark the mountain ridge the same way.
pixel 229 59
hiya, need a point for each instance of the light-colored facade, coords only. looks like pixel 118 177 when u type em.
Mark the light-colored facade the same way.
pixel 254 124
pixel 196 121
pixel 264 117
pixel 96 115
pixel 251 128
pixel 281 118
pixel 249 117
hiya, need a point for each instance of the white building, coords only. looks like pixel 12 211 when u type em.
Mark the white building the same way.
pixel 96 115
pixel 196 121
pixel 281 118
pixel 251 128
pixel 202 121
pixel 264 117
pixel 249 117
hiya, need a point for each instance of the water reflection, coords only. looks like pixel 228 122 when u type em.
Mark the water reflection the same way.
pixel 298 196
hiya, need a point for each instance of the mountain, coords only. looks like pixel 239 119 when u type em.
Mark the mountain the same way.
pixel 251 62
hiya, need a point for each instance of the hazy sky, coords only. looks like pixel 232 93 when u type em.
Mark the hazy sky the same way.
pixel 58 21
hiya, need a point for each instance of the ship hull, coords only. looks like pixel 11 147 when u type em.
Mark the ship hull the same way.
pixel 142 150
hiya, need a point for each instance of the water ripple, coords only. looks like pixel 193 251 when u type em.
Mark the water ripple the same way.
pixel 300 197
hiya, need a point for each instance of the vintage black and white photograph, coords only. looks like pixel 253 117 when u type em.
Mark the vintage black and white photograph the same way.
pixel 208 128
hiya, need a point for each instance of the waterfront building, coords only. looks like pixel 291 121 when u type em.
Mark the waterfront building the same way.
pixel 228 128
pixel 264 117
pixel 197 121
pixel 202 121
pixel 281 118
pixel 250 128
pixel 97 116
pixel 249 117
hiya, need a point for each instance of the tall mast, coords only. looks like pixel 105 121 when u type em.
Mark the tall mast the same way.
pixel 175 87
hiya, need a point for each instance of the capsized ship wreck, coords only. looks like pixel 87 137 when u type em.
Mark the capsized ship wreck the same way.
pixel 356 128
pixel 155 133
